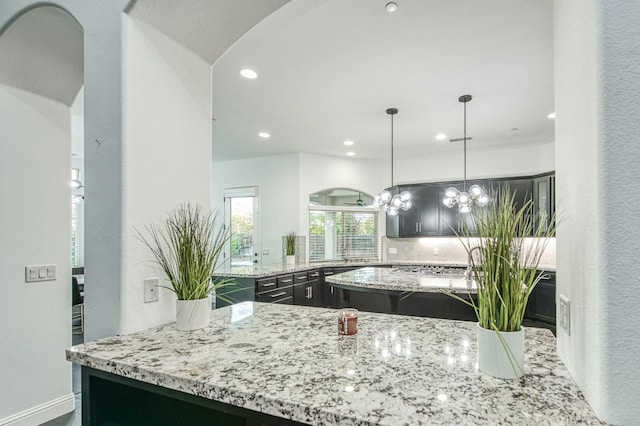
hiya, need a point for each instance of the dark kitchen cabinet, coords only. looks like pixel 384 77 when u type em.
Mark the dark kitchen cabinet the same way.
pixel 544 198
pixel 422 219
pixel 331 295
pixel 306 291
pixel 542 301
pixel 278 289
pixel 522 189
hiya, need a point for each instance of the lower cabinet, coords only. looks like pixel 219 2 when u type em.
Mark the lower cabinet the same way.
pixel 275 289
pixel 331 295
pixel 542 302
pixel 306 291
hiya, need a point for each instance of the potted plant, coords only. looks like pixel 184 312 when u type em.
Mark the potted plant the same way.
pixel 503 258
pixel 290 248
pixel 187 246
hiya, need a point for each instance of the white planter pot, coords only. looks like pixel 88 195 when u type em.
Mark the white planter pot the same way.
pixel 501 355
pixel 193 314
pixel 291 260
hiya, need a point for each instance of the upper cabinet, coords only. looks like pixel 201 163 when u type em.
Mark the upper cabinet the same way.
pixel 429 217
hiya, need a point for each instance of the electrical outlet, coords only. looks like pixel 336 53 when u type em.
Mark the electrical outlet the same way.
pixel 436 251
pixel 151 291
pixel 393 250
pixel 564 317
pixel 265 252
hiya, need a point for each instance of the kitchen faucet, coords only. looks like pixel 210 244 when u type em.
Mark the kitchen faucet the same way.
pixel 468 274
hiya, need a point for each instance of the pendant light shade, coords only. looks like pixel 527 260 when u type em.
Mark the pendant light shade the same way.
pixel 392 204
pixel 465 199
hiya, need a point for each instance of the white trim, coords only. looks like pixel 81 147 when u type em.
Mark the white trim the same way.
pixel 43 412
pixel 322 208
pixel 241 191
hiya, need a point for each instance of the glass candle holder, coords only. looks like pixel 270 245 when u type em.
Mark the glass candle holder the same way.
pixel 348 321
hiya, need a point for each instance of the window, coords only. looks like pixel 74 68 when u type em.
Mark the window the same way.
pixel 342 225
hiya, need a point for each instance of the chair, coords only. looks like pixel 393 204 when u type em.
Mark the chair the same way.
pixel 77 310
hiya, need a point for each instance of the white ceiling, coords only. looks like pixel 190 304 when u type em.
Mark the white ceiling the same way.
pixel 206 27
pixel 329 69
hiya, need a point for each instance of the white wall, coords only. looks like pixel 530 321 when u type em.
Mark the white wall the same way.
pixel 166 155
pixel 488 162
pixel 277 179
pixel 598 240
pixel 35 318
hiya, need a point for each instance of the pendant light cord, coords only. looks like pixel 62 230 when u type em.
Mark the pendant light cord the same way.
pixel 465 147
pixel 392 150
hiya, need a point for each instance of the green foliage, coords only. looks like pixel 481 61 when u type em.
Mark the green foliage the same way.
pixel 187 246
pixel 290 247
pixel 504 259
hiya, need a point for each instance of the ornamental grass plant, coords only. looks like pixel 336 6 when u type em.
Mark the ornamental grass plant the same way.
pixel 290 244
pixel 187 246
pixel 504 253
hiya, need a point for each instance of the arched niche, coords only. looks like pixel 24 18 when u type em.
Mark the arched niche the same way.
pixel 42 51
pixel 341 197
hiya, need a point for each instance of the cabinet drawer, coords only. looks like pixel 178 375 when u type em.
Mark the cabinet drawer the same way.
pixel 285 301
pixel 300 278
pixel 285 280
pixel 313 275
pixel 275 295
pixel 266 284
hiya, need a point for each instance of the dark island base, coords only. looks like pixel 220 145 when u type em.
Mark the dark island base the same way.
pixel 109 399
pixel 432 305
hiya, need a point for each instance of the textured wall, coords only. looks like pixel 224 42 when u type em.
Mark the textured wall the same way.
pixel 598 241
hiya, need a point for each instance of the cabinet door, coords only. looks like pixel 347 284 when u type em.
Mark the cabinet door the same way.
pixel 543 200
pixel 522 189
pixel 301 294
pixel 329 292
pixel 422 219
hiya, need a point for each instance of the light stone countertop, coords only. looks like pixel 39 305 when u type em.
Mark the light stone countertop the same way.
pixel 289 361
pixel 281 268
pixel 394 279
pixel 269 270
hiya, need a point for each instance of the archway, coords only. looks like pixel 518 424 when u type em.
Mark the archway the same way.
pixel 41 74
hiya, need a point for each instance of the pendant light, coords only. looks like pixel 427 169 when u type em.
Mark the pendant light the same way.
pixel 385 201
pixel 476 194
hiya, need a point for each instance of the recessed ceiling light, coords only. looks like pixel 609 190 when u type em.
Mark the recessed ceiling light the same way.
pixel 264 135
pixel 351 153
pixel 348 143
pixel 391 7
pixel 441 136
pixel 247 73
pixel 552 115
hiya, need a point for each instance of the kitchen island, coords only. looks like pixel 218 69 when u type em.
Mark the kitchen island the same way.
pixel 276 364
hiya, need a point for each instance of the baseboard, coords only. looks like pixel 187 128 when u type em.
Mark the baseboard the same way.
pixel 42 413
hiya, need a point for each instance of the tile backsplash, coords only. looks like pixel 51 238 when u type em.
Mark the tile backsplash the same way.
pixel 442 250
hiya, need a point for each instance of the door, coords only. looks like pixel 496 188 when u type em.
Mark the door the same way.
pixel 242 218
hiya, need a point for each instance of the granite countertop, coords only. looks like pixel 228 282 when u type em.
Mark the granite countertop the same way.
pixel 394 279
pixel 263 271
pixel 289 361
pixel 281 268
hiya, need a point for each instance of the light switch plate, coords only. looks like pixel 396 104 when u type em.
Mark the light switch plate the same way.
pixel 36 273
pixel 436 251
pixel 564 317
pixel 393 250
pixel 151 290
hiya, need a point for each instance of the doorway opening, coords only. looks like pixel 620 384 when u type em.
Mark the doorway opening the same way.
pixel 242 213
